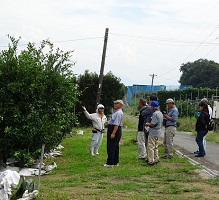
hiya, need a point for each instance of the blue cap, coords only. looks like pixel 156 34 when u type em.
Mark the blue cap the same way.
pixel 155 104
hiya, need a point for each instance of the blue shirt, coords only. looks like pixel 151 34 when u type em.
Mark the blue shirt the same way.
pixel 117 118
pixel 157 120
pixel 173 113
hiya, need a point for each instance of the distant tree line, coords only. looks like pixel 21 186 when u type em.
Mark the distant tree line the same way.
pixel 201 73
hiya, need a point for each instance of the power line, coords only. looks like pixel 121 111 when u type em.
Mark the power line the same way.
pixel 192 51
pixel 202 42
pixel 186 43
pixel 211 50
pixel 215 44
pixel 62 41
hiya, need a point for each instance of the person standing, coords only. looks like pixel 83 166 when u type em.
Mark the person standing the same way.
pixel 144 116
pixel 98 120
pixel 170 128
pixel 114 133
pixel 152 97
pixel 204 100
pixel 154 133
pixel 202 127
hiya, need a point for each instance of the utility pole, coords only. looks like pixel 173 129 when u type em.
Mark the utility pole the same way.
pixel 102 67
pixel 152 82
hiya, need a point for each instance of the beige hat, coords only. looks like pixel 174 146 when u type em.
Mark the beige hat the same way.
pixel 204 100
pixel 118 101
pixel 169 101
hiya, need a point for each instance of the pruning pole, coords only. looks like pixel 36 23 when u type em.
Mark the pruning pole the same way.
pixel 41 163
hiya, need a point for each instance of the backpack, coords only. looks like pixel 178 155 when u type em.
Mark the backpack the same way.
pixel 211 125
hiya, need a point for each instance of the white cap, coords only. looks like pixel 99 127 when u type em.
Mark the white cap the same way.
pixel 118 101
pixel 100 106
pixel 169 101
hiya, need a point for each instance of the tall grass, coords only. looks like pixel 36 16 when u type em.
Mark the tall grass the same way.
pixel 186 124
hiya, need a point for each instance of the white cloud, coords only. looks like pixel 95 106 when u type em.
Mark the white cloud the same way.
pixel 133 59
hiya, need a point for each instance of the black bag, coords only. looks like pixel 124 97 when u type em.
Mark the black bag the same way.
pixel 164 121
pixel 211 125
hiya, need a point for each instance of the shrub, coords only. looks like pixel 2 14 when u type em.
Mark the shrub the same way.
pixel 37 96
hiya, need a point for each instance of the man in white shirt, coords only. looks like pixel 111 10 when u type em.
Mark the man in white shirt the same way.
pixel 98 120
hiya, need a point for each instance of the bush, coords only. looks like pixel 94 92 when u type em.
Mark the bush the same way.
pixel 88 84
pixel 37 96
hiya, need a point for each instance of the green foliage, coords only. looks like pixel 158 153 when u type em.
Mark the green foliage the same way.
pixel 37 96
pixel 129 123
pixel 23 158
pixel 187 97
pixel 213 136
pixel 112 89
pixel 201 73
pixel 187 124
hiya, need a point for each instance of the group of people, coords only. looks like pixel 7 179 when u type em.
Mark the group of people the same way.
pixel 151 120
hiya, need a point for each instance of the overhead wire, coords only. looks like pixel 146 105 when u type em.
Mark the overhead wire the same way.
pixel 191 52
pixel 211 50
pixel 204 47
pixel 214 8
pixel 183 43
pixel 62 41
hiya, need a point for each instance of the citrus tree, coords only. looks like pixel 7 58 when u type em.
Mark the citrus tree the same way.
pixel 37 96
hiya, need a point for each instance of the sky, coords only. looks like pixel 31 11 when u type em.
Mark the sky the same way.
pixel 145 36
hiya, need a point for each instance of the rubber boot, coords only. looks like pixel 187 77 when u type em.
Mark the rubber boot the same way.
pixel 92 151
pixel 96 152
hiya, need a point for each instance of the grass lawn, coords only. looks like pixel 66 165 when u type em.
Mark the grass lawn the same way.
pixel 80 176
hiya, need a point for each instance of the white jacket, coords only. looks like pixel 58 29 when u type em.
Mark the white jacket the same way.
pixel 97 121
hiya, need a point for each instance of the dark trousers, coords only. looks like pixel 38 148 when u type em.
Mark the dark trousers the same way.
pixel 113 145
pixel 199 140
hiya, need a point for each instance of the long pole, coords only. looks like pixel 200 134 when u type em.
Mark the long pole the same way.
pixel 41 163
pixel 152 82
pixel 102 67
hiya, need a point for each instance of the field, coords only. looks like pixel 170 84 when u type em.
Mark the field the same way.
pixel 80 176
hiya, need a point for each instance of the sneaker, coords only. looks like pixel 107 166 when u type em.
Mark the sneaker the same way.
pixel 92 154
pixel 106 165
pixel 199 155
pixel 166 156
pixel 151 164
pixel 156 162
pixel 97 153
pixel 117 165
pixel 196 152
